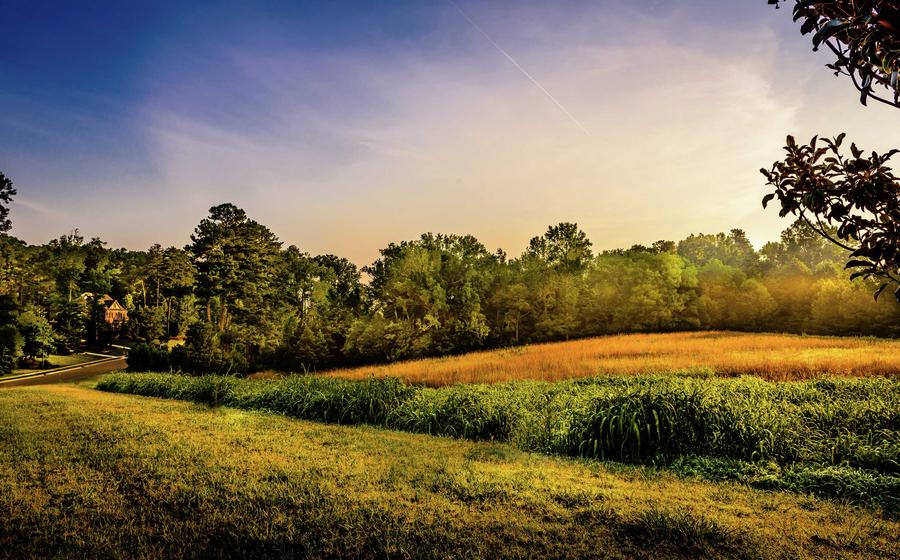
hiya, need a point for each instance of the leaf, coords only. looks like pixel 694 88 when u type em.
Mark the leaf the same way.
pixel 853 264
pixel 881 289
pixel 827 31
pixel 864 89
pixel 808 26
pixel 766 199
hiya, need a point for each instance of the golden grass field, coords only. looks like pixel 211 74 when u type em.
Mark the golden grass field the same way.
pixel 774 357
pixel 90 474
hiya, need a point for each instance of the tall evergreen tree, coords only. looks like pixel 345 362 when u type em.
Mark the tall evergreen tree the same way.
pixel 7 192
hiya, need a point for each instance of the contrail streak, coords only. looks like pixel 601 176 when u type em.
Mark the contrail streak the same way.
pixel 519 68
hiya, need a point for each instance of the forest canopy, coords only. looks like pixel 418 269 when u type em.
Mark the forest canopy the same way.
pixel 236 300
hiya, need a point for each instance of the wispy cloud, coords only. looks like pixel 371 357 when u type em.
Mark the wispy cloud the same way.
pixel 518 66
pixel 344 149
pixel 451 142
pixel 38 208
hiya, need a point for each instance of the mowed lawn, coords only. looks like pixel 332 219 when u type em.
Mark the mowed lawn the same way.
pixel 91 474
pixel 56 361
pixel 774 357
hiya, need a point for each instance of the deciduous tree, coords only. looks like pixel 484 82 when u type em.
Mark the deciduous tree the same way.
pixel 563 246
pixel 37 334
pixel 857 198
pixel 856 194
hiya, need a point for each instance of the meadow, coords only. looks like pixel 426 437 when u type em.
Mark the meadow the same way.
pixel 85 473
pixel 832 437
pixel 774 357
pixel 679 456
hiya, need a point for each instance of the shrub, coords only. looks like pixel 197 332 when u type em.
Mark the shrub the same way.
pixel 148 357
pixel 10 348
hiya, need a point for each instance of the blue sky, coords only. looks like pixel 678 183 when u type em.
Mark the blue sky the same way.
pixel 347 125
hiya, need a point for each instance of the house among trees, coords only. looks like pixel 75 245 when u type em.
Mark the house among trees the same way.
pixel 113 312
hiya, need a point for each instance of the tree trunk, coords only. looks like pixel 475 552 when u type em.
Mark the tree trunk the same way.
pixel 168 318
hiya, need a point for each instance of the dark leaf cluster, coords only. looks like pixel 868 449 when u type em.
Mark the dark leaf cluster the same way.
pixel 864 36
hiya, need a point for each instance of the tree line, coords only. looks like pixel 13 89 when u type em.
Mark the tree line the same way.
pixel 236 300
pixel 241 301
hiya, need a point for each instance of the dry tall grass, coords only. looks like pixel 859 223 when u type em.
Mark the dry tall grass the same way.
pixel 771 356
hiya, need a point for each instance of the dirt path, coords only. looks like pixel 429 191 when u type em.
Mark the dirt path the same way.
pixel 63 375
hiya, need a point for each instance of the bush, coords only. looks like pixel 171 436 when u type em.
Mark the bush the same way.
pixel 10 348
pixel 147 357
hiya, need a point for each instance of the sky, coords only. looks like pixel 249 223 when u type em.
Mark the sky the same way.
pixel 344 126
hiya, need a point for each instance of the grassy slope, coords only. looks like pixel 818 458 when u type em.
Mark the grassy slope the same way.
pixel 85 473
pixel 834 437
pixel 774 357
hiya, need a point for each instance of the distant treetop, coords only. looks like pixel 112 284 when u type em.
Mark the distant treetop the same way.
pixel 6 193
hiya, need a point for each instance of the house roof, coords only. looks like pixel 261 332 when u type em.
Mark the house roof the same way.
pixel 108 302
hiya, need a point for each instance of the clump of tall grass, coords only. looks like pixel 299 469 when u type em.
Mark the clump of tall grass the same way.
pixel 852 425
pixel 465 412
pixel 209 389
pixel 677 418
pixel 326 400
pixel 302 396
pixel 685 532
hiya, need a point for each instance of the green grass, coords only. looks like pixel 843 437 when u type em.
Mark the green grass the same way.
pixel 53 362
pixel 836 438
pixel 87 474
pixel 694 535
